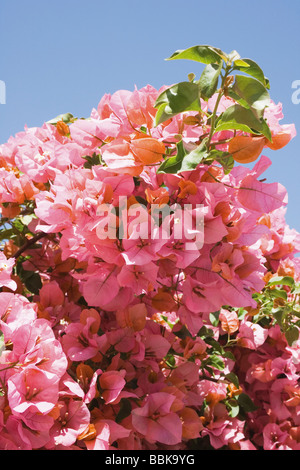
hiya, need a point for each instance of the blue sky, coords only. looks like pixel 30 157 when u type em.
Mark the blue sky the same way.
pixel 62 56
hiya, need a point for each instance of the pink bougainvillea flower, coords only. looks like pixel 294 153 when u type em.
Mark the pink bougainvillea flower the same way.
pixel 141 279
pixel 12 436
pixel 274 437
pixel 79 342
pixel 121 345
pixel 251 335
pixel 198 297
pixel 87 379
pixel 32 389
pixel 229 321
pixel 15 310
pixel 35 344
pixel 101 287
pixel 223 432
pixel 281 133
pixel 227 260
pixel 90 133
pixel 156 421
pixel 120 159
pixel 191 424
pixel 6 266
pixel 140 107
pixel 111 383
pixel 99 438
pixel 51 295
pixel 260 196
pixel 133 317
pixel 72 419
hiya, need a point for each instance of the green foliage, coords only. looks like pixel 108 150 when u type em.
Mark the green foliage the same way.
pixel 205 54
pixel 30 279
pixel 240 118
pixel 66 118
pixel 125 410
pixel 209 79
pixel 279 304
pixel 2 343
pixel 181 97
pixel 248 91
pixel 183 160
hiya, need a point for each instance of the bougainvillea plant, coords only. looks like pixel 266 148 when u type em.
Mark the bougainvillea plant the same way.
pixel 117 331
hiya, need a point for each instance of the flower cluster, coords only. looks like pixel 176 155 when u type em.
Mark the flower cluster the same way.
pixel 136 341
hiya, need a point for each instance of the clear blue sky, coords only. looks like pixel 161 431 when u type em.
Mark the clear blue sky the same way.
pixel 62 55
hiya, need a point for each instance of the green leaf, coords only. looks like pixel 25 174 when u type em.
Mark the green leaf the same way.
pixel 215 345
pixel 216 362
pixel 173 164
pixel 246 403
pixel 278 314
pixel 125 410
pixel 233 56
pixel 241 63
pixel 66 118
pixel 27 219
pixel 282 281
pixel 233 378
pixel 205 332
pixel 296 289
pixel 205 54
pixel 91 160
pixel 224 158
pixel 251 68
pixel 214 318
pixel 183 161
pixel 252 91
pixel 241 313
pixel 237 117
pixel 30 279
pixel 183 333
pixel 6 234
pixel 191 77
pixel 193 158
pixel 17 224
pixel 229 355
pixel 233 407
pixel 183 96
pixel 292 335
pixel 295 313
pixel 34 283
pixel 2 343
pixel 231 94
pixel 278 293
pixel 208 81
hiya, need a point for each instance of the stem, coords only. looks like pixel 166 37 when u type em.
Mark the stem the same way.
pixel 214 114
pixel 220 142
pixel 29 243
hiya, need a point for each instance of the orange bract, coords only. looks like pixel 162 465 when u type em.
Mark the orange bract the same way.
pixel 157 196
pixel 279 140
pixel 246 149
pixel 163 301
pixel 187 187
pixel 91 313
pixel 148 150
pixel 133 317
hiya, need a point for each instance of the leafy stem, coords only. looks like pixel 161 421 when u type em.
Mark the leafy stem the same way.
pixel 215 110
